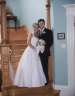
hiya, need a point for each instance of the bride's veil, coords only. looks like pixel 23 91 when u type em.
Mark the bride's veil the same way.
pixel 12 73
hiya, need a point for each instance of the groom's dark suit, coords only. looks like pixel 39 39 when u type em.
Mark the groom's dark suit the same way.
pixel 48 37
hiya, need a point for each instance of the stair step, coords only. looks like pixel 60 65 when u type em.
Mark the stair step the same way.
pixel 17 52
pixel 9 29
pixel 22 28
pixel 17 37
pixel 15 58
pixel 18 46
pixel 18 41
pixel 40 91
pixel 12 29
pixel 16 32
pixel 47 93
pixel 15 64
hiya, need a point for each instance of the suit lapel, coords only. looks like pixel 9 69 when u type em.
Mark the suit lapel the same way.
pixel 44 29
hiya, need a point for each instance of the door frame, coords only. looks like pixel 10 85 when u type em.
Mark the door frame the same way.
pixel 70 14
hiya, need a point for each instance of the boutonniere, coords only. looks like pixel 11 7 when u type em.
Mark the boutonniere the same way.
pixel 44 32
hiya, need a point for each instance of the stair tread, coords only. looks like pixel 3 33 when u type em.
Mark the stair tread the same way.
pixel 51 92
pixel 17 35
pixel 18 47
pixel 23 37
pixel 18 41
pixel 14 63
pixel 16 56
pixel 19 50
pixel 19 44
pixel 15 30
pixel 33 92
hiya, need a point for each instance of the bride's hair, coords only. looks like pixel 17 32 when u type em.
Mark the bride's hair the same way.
pixel 35 24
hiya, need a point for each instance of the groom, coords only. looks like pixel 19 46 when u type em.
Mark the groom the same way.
pixel 47 36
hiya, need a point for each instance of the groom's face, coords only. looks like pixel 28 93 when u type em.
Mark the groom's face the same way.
pixel 41 24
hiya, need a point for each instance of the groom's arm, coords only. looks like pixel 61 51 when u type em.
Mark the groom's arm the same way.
pixel 49 38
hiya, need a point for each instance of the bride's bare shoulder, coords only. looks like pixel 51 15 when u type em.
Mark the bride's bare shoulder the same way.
pixel 30 34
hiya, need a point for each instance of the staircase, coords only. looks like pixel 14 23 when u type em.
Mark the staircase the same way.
pixel 18 40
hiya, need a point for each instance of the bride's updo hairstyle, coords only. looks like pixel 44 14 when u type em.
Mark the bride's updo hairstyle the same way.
pixel 34 25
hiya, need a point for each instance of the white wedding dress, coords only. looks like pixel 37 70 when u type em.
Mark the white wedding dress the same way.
pixel 29 71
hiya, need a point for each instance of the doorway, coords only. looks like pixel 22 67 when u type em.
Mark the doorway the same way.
pixel 70 15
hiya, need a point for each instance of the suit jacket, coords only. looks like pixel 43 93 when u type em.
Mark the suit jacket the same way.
pixel 47 36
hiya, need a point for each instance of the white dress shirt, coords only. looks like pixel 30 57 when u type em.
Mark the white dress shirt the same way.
pixel 41 30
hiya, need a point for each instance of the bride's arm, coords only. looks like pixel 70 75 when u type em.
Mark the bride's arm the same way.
pixel 29 41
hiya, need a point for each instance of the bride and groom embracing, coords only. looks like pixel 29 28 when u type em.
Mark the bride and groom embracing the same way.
pixel 32 70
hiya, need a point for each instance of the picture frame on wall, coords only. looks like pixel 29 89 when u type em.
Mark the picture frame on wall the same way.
pixel 61 36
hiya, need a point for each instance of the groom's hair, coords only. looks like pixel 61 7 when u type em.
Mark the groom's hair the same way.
pixel 41 20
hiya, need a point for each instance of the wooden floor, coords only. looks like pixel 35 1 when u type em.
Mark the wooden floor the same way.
pixel 0 94
pixel 0 80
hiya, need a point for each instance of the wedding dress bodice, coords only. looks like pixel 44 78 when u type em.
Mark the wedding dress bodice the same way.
pixel 34 40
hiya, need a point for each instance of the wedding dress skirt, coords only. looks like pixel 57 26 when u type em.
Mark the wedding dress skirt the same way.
pixel 29 71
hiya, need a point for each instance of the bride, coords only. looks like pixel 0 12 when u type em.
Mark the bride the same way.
pixel 29 71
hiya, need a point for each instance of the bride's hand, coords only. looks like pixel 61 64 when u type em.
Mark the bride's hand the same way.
pixel 38 49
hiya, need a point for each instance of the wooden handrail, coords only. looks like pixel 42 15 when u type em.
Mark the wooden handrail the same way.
pixel 48 25
pixel 3 22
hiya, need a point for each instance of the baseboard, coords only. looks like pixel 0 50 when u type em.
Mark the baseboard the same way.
pixel 65 90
